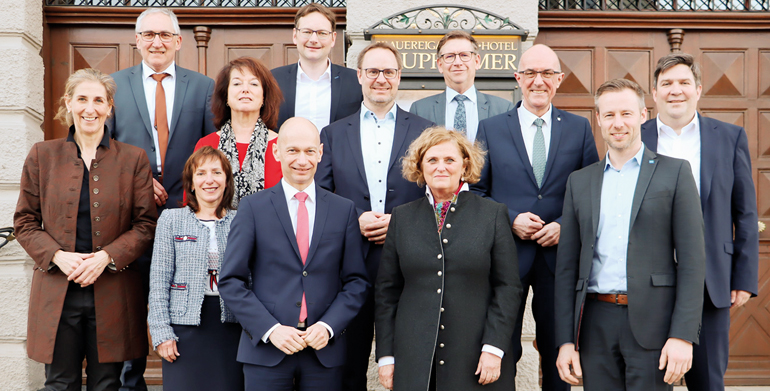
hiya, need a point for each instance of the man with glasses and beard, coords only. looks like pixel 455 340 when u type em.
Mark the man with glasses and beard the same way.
pixel 362 162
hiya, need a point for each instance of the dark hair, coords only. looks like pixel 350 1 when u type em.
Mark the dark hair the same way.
pixel 616 85
pixel 196 160
pixel 673 59
pixel 379 45
pixel 457 34
pixel 271 93
pixel 315 7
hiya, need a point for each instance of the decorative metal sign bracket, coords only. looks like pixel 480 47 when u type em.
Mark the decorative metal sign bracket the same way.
pixel 442 18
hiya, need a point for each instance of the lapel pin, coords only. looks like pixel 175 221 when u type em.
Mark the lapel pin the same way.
pixel 558 118
pixel 652 161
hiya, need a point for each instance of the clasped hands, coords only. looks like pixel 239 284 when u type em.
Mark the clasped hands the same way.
pixel 675 359
pixel 529 226
pixel 374 226
pixel 291 340
pixel 82 268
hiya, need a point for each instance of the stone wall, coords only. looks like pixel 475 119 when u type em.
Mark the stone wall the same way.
pixel 361 14
pixel 21 116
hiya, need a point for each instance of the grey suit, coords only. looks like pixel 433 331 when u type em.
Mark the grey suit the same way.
pixel 433 108
pixel 665 291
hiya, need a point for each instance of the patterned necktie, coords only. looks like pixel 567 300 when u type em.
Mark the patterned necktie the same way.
pixel 161 119
pixel 538 153
pixel 460 122
pixel 303 241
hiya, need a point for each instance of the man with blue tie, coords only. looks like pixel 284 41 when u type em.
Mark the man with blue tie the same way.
pixel 293 273
pixel 163 109
pixel 532 149
pixel 461 106
pixel 718 154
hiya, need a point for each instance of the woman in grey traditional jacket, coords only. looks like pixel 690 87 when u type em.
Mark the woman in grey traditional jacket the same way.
pixel 191 328
pixel 448 290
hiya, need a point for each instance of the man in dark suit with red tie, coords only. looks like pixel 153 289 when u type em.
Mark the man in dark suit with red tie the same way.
pixel 301 248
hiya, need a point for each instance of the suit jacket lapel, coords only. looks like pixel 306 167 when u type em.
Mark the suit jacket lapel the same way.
pixel 335 92
pixel 650 134
pixel 354 142
pixel 399 135
pixel 646 170
pixel 321 210
pixel 597 179
pixel 556 132
pixel 290 93
pixel 439 109
pixel 518 140
pixel 137 87
pixel 179 92
pixel 483 105
pixel 278 198
pixel 708 157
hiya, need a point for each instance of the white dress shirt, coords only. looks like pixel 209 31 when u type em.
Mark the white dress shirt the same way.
pixel 685 145
pixel 313 98
pixel 471 111
pixel 293 203
pixel 376 145
pixel 169 87
pixel 390 360
pixel 528 129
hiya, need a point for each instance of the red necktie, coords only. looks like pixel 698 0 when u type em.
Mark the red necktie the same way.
pixel 161 119
pixel 303 241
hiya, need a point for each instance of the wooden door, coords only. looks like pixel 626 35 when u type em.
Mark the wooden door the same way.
pixel 736 89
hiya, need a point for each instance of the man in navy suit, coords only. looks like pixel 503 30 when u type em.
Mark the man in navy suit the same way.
pixel 718 153
pixel 299 245
pixel 188 118
pixel 363 164
pixel 531 152
pixel 314 88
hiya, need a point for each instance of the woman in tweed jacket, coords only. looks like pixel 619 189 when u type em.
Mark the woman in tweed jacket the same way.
pixel 190 325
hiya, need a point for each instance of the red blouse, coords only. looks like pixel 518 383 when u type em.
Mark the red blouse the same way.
pixel 272 167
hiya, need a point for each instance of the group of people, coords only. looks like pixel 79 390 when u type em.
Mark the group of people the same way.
pixel 302 208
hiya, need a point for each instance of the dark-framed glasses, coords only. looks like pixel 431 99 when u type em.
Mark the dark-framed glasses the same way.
pixel 307 33
pixel 546 74
pixel 373 73
pixel 449 58
pixel 149 36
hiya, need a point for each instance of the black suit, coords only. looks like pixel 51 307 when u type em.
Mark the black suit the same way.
pixel 346 92
pixel 665 293
pixel 729 208
pixel 342 171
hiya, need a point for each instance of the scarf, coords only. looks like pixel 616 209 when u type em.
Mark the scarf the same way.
pixel 250 178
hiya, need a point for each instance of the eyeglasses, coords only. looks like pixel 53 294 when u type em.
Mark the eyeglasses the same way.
pixel 149 36
pixel 373 73
pixel 449 58
pixel 546 74
pixel 307 33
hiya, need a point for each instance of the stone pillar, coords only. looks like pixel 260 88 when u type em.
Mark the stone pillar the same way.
pixel 362 14
pixel 21 117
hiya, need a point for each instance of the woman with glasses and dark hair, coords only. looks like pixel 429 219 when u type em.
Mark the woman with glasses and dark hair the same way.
pixel 191 328
pixel 86 211
pixel 245 105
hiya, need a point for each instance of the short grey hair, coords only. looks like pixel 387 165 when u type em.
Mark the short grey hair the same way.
pixel 164 11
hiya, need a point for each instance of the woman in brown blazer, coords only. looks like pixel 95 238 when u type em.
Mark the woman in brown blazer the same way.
pixel 85 212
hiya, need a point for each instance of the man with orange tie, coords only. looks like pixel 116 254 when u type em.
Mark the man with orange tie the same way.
pixel 293 273
pixel 163 109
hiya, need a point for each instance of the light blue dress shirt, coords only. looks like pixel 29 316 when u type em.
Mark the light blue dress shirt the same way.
pixel 608 270
pixel 376 145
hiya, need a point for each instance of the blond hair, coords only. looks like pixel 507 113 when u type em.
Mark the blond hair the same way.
pixel 472 153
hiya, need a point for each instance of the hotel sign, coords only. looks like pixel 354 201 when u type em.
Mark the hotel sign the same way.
pixel 499 54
